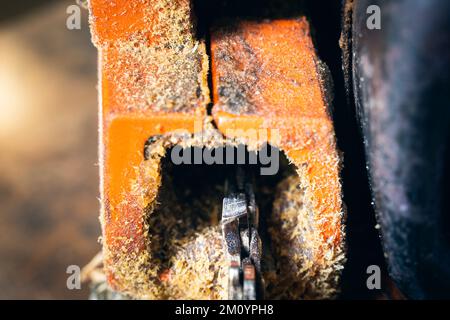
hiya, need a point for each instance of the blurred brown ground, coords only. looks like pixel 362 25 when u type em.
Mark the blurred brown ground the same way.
pixel 48 143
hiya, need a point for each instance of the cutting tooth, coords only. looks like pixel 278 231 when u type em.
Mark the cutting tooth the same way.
pixel 240 219
pixel 234 206
pixel 232 241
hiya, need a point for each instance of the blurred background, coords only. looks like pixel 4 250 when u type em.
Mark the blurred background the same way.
pixel 48 142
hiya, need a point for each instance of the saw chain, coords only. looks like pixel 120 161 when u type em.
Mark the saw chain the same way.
pixel 240 220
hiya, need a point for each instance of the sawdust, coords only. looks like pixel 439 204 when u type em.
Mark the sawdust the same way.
pixel 185 255
pixel 184 236
pixel 306 267
pixel 345 43
pixel 326 84
pixel 160 78
pixel 200 269
pixel 163 68
pixel 236 83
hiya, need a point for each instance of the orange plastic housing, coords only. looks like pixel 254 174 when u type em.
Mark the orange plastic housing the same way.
pixel 124 129
pixel 265 76
pixel 271 70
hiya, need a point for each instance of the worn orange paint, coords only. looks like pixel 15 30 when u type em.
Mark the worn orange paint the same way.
pixel 118 19
pixel 125 129
pixel 286 96
pixel 124 148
